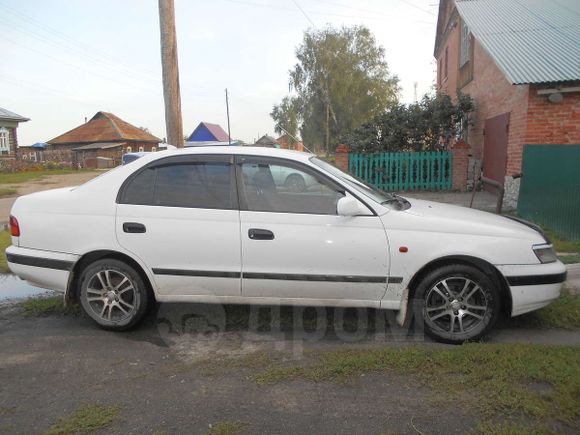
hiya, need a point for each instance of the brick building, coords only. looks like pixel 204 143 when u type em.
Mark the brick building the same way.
pixel 8 128
pixel 519 62
pixel 100 142
pixel 288 143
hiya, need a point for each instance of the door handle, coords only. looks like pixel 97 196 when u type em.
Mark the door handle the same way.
pixel 259 234
pixel 134 227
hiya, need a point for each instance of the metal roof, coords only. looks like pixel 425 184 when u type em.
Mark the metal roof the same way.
pixel 532 41
pixel 7 114
pixel 100 146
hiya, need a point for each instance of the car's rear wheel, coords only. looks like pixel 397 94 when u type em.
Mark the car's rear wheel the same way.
pixel 113 294
pixel 295 183
pixel 457 303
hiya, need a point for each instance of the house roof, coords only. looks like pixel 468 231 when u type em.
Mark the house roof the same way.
pixel 532 41
pixel 266 140
pixel 99 146
pixel 11 116
pixel 104 127
pixel 215 129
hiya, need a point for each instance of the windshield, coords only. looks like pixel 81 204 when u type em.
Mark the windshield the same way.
pixel 357 184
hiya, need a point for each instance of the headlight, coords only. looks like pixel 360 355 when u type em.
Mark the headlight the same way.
pixel 545 254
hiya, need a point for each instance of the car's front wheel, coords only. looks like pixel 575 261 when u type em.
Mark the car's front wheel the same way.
pixel 113 294
pixel 457 303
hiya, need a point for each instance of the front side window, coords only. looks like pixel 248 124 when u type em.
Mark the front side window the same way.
pixel 192 185
pixel 355 183
pixel 284 188
pixel 4 141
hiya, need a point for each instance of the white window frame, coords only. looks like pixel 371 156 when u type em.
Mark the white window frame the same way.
pixel 4 140
pixel 465 45
pixel 141 149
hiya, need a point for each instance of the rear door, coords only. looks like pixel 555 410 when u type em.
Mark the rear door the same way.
pixel 180 216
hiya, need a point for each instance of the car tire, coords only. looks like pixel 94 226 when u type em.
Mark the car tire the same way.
pixel 295 183
pixel 457 303
pixel 113 294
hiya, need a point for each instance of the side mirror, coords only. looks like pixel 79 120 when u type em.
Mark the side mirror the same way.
pixel 349 206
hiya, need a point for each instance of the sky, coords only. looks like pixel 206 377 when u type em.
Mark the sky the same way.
pixel 65 60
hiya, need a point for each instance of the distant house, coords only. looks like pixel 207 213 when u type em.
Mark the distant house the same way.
pixel 8 138
pixel 206 132
pixel 519 62
pixel 101 142
pixel 287 143
pixel 267 141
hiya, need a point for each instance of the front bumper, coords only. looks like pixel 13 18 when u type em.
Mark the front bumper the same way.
pixel 45 269
pixel 533 286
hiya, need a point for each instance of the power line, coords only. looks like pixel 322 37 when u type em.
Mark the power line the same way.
pixel 303 12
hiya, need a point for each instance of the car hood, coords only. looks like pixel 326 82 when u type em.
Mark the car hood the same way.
pixel 435 216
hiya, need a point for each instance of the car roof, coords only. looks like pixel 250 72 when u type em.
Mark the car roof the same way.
pixel 238 150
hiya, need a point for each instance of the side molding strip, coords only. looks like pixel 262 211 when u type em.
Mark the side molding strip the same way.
pixel 536 279
pixel 208 273
pixel 280 276
pixel 47 263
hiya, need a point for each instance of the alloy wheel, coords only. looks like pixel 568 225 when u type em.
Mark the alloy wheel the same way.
pixel 111 295
pixel 455 305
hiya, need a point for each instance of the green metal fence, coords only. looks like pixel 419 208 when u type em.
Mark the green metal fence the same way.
pixel 404 171
pixel 550 189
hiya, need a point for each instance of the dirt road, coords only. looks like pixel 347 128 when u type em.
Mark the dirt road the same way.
pixel 164 382
pixel 49 182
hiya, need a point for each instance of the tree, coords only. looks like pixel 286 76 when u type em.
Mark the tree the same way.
pixel 341 81
pixel 286 115
pixel 428 125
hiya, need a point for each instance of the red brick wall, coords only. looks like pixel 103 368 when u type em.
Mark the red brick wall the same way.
pixel 494 95
pixel 460 152
pixel 553 123
pixel 341 157
pixel 448 85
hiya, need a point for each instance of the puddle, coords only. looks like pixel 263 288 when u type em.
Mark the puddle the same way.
pixel 12 287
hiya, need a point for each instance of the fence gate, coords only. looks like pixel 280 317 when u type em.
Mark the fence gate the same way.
pixel 404 171
pixel 550 189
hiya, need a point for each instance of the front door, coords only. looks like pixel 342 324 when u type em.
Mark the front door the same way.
pixel 295 246
pixel 180 217
pixel 495 142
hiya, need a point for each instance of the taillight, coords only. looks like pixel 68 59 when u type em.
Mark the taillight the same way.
pixel 14 227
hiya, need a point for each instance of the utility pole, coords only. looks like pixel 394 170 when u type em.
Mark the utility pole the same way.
pixel 171 93
pixel 327 128
pixel 228 113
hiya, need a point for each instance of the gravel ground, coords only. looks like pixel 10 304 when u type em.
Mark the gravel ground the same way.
pixel 169 383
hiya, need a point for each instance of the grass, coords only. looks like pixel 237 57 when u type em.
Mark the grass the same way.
pixel 87 418
pixel 46 306
pixel 6 192
pixel 542 382
pixel 23 177
pixel 508 428
pixel 570 259
pixel 5 241
pixel 561 244
pixel 227 428
pixel 564 313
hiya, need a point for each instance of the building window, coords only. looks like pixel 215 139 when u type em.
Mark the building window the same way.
pixel 141 149
pixel 446 62
pixel 128 150
pixel 465 48
pixel 4 141
pixel 153 149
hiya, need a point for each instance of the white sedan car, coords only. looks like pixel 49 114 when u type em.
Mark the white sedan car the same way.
pixel 212 225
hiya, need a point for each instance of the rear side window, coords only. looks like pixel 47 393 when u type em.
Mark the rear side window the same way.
pixel 192 185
